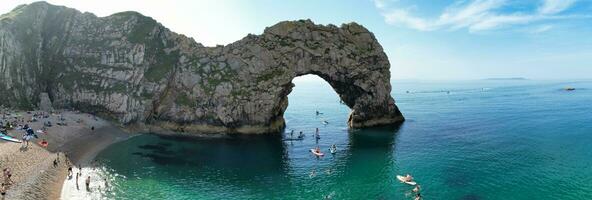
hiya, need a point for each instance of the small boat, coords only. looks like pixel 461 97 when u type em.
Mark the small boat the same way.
pixel 402 179
pixel 315 153
pixel 570 89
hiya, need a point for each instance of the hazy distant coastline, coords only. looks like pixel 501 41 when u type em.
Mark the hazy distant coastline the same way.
pixel 507 79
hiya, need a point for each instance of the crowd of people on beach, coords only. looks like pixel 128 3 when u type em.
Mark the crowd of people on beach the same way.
pixel 18 122
pixel 88 179
pixel 13 122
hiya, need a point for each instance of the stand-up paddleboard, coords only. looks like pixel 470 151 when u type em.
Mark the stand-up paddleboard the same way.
pixel 332 150
pixel 315 153
pixel 402 179
pixel 8 138
pixel 293 139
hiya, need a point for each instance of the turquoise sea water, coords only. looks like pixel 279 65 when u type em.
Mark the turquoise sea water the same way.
pixel 480 140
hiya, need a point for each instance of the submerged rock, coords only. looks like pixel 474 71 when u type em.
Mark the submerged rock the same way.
pixel 129 67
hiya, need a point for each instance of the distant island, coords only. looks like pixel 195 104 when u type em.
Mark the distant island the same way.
pixel 507 79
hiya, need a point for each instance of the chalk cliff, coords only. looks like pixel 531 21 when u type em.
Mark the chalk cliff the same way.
pixel 133 69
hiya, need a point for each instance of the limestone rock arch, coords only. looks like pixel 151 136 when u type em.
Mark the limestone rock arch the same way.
pixel 349 58
pixel 131 68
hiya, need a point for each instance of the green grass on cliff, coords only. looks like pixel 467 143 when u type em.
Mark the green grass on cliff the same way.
pixel 141 34
pixel 215 77
pixel 270 75
pixel 119 88
pixel 146 94
pixel 14 12
pixel 184 100
pixel 142 30
pixel 164 64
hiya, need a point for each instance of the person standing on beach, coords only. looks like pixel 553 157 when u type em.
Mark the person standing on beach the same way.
pixel 3 190
pixel 77 175
pixel 88 184
pixel 27 136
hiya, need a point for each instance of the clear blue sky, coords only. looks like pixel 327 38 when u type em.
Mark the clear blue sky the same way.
pixel 438 39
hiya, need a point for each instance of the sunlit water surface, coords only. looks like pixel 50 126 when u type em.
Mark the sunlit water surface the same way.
pixel 461 140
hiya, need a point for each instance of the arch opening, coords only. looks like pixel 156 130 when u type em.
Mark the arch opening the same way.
pixel 359 105
pixel 311 94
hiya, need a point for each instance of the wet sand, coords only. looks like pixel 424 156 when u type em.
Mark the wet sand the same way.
pixel 34 173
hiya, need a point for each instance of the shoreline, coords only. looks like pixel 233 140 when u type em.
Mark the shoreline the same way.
pixel 76 138
pixel 76 142
pixel 81 153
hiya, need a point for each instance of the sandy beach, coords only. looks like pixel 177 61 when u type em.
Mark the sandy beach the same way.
pixel 41 172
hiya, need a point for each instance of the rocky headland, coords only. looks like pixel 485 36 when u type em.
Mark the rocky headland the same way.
pixel 131 69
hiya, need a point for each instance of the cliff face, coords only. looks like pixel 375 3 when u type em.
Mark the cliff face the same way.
pixel 130 67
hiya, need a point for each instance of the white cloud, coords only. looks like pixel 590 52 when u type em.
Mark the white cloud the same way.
pixel 496 21
pixel 454 17
pixel 380 4
pixel 477 15
pixel 467 16
pixel 541 29
pixel 555 6
pixel 403 17
pixel 475 11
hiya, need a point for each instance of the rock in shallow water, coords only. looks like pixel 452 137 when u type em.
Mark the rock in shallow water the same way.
pixel 131 68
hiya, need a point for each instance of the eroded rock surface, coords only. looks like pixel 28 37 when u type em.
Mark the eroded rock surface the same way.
pixel 131 68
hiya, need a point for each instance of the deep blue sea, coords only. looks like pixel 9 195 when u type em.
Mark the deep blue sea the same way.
pixel 467 140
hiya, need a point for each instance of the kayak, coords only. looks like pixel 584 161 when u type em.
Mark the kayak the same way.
pixel 402 179
pixel 315 153
pixel 43 143
pixel 8 138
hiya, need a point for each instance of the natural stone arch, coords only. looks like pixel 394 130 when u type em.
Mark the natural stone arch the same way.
pixel 131 68
pixel 349 58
